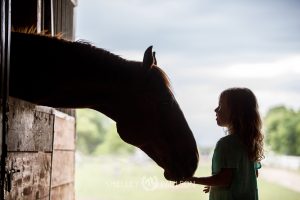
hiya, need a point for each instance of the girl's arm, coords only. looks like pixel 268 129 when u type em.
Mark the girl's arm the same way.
pixel 223 178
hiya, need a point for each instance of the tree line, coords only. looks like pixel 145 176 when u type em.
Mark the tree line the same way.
pixel 282 130
pixel 97 134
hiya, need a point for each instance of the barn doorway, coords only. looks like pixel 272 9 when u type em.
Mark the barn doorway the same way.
pixel 34 138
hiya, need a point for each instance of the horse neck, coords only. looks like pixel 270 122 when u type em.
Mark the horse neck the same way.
pixel 118 81
pixel 71 74
pixel 111 76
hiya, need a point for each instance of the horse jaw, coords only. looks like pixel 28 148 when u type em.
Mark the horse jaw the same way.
pixel 176 166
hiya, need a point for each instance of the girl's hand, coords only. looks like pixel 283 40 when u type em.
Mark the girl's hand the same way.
pixel 206 189
pixel 184 180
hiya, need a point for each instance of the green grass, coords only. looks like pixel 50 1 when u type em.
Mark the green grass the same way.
pixel 273 191
pixel 113 178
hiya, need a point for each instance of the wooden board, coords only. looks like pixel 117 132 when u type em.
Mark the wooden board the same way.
pixel 29 128
pixel 63 192
pixel 63 164
pixel 33 180
pixel 63 168
pixel 64 132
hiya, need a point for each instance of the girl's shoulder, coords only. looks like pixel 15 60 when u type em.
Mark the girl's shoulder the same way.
pixel 229 140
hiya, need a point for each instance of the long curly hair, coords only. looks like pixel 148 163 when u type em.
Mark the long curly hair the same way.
pixel 245 120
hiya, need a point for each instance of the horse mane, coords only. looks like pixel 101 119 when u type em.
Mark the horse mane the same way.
pixel 99 51
pixel 91 49
pixel 164 76
pixel 33 30
pixel 155 69
pixel 87 46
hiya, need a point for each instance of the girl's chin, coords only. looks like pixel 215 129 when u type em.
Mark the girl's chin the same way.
pixel 220 123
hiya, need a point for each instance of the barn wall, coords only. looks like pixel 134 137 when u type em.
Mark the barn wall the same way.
pixel 41 145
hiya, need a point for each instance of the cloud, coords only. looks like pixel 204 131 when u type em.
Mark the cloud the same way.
pixel 197 89
pixel 205 47
pixel 195 27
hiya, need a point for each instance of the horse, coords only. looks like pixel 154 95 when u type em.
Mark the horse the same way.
pixel 54 72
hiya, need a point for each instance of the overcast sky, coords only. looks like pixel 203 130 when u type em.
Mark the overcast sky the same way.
pixel 205 46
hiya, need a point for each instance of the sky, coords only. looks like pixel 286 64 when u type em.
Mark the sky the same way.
pixel 205 46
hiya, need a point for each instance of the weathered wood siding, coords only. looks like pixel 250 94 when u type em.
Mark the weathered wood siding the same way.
pixel 41 145
pixel 63 18
pixel 41 140
pixel 63 163
pixel 30 128
pixel 33 180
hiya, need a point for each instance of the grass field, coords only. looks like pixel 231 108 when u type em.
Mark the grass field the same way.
pixel 115 178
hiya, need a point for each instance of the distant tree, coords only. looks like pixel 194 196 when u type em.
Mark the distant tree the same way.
pixel 91 128
pixel 282 127
pixel 97 134
pixel 113 144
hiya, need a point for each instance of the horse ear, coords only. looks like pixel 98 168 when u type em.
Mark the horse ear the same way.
pixel 155 61
pixel 148 60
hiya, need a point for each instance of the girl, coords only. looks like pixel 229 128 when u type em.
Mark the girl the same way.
pixel 236 156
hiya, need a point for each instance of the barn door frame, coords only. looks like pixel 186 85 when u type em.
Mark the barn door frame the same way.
pixel 5 64
pixel 52 16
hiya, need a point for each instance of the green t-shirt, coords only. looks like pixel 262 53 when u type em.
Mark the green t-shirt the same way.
pixel 230 153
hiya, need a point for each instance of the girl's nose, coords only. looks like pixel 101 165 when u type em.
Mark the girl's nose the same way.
pixel 216 109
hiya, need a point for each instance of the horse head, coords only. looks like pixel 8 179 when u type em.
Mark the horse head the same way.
pixel 153 121
pixel 136 95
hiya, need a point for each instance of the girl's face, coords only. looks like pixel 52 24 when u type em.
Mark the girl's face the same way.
pixel 222 113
